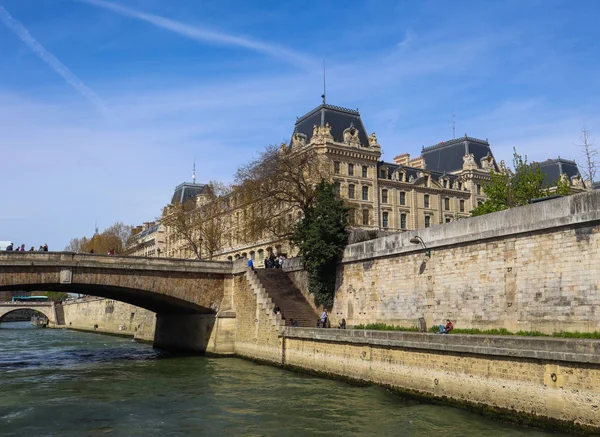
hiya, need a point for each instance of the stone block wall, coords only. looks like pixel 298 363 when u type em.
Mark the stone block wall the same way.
pixel 542 380
pixel 111 317
pixel 256 336
pixel 529 268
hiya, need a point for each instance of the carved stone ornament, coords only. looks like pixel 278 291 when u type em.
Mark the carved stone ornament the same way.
pixel 411 179
pixel 487 162
pixel 298 140
pixel 283 147
pixel 321 134
pixel 503 168
pixel 373 139
pixel 469 162
pixel 351 136
pixel 577 181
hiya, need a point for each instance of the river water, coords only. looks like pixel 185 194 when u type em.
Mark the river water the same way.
pixel 67 383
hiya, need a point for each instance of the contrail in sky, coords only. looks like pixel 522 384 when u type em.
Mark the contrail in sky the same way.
pixel 18 29
pixel 206 35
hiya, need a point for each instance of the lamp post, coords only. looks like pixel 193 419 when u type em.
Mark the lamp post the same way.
pixel 418 240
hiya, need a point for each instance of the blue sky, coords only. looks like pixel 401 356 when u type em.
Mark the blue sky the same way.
pixel 105 105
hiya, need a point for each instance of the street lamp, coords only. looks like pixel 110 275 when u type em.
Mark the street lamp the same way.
pixel 418 240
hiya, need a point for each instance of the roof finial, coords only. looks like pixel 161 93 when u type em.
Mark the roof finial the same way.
pixel 194 172
pixel 324 96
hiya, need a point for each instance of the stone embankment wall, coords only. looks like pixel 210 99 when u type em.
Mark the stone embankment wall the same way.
pixel 550 381
pixel 110 316
pixel 530 268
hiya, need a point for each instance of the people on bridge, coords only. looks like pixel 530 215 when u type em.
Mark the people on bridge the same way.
pixel 446 329
pixel 41 249
pixel 111 252
pixel 22 247
pixel 9 248
pixel 32 249
pixel 46 247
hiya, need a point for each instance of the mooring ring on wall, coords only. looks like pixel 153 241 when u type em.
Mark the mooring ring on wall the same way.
pixel 435 381
pixel 553 377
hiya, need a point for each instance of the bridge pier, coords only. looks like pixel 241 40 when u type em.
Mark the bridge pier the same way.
pixel 198 333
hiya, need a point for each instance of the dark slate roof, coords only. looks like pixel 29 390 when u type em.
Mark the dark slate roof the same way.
pixel 553 168
pixel 596 185
pixel 338 118
pixel 187 190
pixel 448 155
pixel 148 231
pixel 412 171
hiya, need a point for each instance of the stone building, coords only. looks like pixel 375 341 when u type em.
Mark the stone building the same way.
pixel 442 185
pixel 148 240
pixel 560 168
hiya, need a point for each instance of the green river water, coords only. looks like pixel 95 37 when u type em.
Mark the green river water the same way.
pixel 67 383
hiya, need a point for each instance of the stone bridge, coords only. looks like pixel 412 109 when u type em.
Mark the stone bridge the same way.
pixel 46 308
pixel 186 295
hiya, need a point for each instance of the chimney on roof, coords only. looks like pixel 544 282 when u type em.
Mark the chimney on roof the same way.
pixel 402 159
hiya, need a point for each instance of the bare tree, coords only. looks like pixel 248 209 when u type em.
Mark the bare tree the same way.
pixel 589 154
pixel 184 222
pixel 277 185
pixel 74 245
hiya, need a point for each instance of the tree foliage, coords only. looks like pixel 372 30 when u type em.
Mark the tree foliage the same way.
pixel 508 189
pixel 321 237
pixel 114 237
pixel 56 296
pixel 279 183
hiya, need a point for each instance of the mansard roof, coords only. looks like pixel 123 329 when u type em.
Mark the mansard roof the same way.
pixel 338 118
pixel 554 168
pixel 447 156
pixel 187 191
pixel 412 171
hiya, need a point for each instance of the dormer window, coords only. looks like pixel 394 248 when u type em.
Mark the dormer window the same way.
pixel 383 173
pixel 445 183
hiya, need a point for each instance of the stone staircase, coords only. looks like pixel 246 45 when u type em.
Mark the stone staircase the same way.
pixel 60 314
pixel 283 293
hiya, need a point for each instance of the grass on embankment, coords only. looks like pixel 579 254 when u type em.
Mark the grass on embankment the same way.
pixel 475 331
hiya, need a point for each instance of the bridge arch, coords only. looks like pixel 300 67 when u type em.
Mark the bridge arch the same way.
pixel 186 295
pixel 47 309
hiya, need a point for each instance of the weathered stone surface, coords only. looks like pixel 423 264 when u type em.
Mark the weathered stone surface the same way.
pixel 529 268
pixel 159 285
pixel 543 378
pixel 46 308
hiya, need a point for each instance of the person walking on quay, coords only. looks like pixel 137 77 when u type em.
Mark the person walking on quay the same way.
pixel 324 318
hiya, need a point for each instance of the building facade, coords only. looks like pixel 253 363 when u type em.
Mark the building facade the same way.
pixel 444 184
pixel 148 240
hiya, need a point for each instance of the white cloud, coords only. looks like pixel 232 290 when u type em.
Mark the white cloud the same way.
pixel 18 29
pixel 211 36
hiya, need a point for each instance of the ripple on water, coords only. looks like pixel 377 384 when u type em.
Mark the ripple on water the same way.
pixel 72 384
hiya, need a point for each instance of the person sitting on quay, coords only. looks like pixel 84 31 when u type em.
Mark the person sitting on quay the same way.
pixel 342 324
pixel 9 248
pixel 446 329
pixel 294 323
pixel 46 247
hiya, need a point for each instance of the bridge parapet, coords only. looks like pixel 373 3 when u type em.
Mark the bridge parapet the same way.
pixel 72 259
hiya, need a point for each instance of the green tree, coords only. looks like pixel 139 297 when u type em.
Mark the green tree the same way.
pixel 55 296
pixel 507 189
pixel 321 238
pixel 563 187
